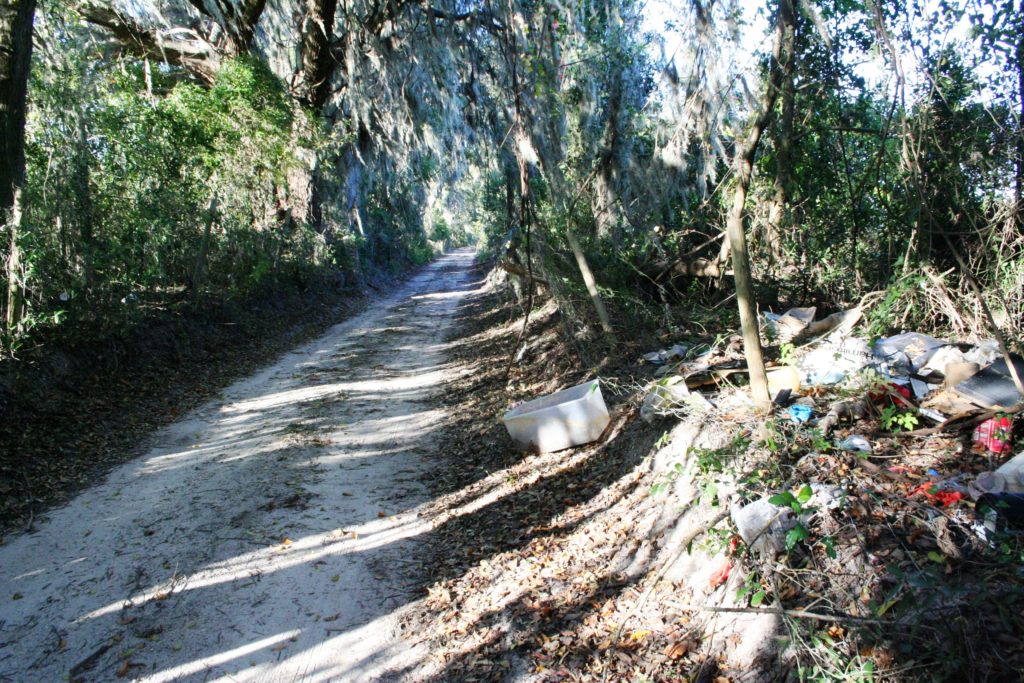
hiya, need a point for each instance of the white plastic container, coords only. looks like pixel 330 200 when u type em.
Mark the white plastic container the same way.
pixel 566 418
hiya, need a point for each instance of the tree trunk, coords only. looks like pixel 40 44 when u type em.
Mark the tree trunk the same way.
pixel 745 153
pixel 199 270
pixel 777 222
pixel 1018 187
pixel 83 203
pixel 317 61
pixel 16 18
pixel 744 284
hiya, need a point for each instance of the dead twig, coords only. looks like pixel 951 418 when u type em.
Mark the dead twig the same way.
pixel 793 613
pixel 90 661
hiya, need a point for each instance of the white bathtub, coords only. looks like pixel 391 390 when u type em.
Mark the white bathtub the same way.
pixel 566 418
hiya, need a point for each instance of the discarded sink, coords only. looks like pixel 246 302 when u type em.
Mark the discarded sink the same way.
pixel 570 417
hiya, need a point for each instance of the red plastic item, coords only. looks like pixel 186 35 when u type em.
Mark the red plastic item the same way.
pixel 719 577
pixel 893 392
pixel 943 498
pixel 994 434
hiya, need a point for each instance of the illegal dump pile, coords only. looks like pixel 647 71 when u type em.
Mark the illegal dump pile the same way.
pixel 878 511
pixel 847 537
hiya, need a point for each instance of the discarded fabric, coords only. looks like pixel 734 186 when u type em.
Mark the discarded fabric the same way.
pixel 986 482
pixel 1013 471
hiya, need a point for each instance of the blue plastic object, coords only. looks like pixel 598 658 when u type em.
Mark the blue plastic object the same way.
pixel 799 413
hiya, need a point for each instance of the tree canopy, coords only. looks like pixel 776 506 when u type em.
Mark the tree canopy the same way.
pixel 180 150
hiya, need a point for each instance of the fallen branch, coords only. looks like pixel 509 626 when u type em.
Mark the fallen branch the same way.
pixel 793 613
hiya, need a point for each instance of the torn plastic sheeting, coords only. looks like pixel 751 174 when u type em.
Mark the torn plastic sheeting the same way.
pixel 800 413
pixel 855 443
pixel 908 352
pixel 832 362
pixel 940 360
pixel 984 354
pixel 763 525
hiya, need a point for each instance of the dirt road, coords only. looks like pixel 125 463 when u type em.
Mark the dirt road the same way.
pixel 269 536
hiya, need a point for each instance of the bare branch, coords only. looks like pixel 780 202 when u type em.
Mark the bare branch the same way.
pixel 192 53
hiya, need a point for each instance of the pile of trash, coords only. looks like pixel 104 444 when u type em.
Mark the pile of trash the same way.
pixel 827 376
pixel 938 378
pixel 885 489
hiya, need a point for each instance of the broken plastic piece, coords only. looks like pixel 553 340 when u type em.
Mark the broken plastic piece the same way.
pixel 665 396
pixel 783 378
pixel 763 525
pixel 673 353
pixel 994 385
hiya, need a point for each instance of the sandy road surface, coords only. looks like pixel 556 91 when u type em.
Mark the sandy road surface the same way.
pixel 269 536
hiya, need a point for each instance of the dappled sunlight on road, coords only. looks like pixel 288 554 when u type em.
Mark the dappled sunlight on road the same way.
pixel 271 534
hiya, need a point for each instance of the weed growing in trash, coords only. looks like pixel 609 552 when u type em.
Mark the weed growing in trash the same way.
pixel 716 540
pixel 835 665
pixel 891 417
pixel 797 504
pixel 787 354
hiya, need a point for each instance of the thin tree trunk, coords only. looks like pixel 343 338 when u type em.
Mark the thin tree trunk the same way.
pixel 745 153
pixel 783 159
pixel 84 205
pixel 199 271
pixel 15 306
pixel 551 170
pixel 1018 187
pixel 16 18
pixel 590 281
